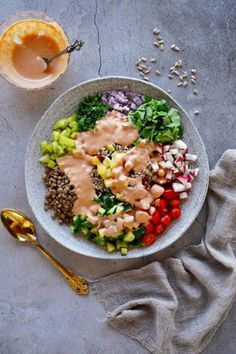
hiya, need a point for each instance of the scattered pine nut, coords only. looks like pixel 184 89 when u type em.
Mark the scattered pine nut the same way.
pixel 144 59
pixel 176 49
pixel 180 84
pixel 156 31
pixel 193 81
pixel 146 78
pixel 176 72
pixel 196 113
pixel 181 77
pixel 195 92
pixel 169 91
pixel 141 74
pixel 185 83
pixel 157 72
pixel 172 46
pixel 170 77
pixel 156 44
pixel 161 47
pixel 153 60
pixel 172 68
pixel 161 41
pixel 193 71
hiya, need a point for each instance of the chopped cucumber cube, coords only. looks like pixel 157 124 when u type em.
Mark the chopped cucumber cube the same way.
pixel 112 211
pixel 72 119
pixel 101 211
pixel 55 135
pixel 129 237
pixel 60 124
pixel 63 140
pixel 121 244
pixel 99 240
pixel 110 247
pixel 123 251
pixel 119 209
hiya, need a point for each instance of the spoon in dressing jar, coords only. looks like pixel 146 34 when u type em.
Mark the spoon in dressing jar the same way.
pixel 23 229
pixel 76 46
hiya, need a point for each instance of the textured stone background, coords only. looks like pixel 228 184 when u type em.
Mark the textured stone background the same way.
pixel 39 313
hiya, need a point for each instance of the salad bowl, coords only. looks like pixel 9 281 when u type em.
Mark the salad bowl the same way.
pixel 66 105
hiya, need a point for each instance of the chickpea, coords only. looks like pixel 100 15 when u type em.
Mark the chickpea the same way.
pixel 161 172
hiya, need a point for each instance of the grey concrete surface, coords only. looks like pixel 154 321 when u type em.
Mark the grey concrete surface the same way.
pixel 39 314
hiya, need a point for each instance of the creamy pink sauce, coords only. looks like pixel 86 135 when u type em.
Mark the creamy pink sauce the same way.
pixel 113 128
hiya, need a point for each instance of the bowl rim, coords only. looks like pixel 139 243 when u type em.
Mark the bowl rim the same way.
pixel 145 251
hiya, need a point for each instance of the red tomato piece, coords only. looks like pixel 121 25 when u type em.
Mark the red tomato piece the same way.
pixel 162 204
pixel 175 213
pixel 149 239
pixel 163 211
pixel 155 218
pixel 149 228
pixel 169 194
pixel 166 220
pixel 159 229
pixel 175 203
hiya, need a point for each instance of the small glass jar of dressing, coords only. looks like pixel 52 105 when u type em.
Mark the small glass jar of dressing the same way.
pixel 24 39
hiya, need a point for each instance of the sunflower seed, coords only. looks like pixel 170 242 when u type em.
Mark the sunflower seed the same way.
pixel 170 77
pixel 156 31
pixel 161 47
pixel 172 46
pixel 176 72
pixel 193 77
pixel 157 72
pixel 161 41
pixel 181 77
pixel 176 49
pixel 193 81
pixel 153 60
pixel 185 83
pixel 169 91
pixel 141 74
pixel 196 113
pixel 193 71
pixel 195 92
pixel 146 78
pixel 144 59
pixel 172 68
pixel 180 84
pixel 156 44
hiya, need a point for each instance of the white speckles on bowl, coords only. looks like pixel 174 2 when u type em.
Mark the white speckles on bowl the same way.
pixel 67 104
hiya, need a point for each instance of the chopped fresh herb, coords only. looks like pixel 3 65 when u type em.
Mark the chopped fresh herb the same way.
pixel 90 110
pixel 157 122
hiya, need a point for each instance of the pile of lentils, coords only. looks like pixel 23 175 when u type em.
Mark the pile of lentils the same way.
pixel 60 196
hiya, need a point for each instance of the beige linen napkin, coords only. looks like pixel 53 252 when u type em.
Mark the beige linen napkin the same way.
pixel 175 306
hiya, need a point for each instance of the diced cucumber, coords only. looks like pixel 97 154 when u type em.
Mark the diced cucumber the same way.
pixel 66 132
pixel 101 211
pixel 99 240
pixel 101 233
pixel 84 230
pixel 121 244
pixel 51 164
pixel 123 251
pixel 119 209
pixel 73 135
pixel 129 237
pixel 45 159
pixel 112 211
pixel 110 247
pixel 55 135
pixel 44 146
pixel 55 147
pixel 63 140
pixel 60 124
pixel 72 119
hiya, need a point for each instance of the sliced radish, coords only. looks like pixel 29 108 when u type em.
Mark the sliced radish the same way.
pixel 168 156
pixel 188 186
pixel 196 171
pixel 178 187
pixel 166 148
pixel 155 166
pixel 169 164
pixel 190 157
pixel 162 164
pixel 179 144
pixel 169 175
pixel 174 151
pixel 183 179
pixel 183 195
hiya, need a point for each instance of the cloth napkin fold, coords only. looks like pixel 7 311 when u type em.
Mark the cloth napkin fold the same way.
pixel 175 306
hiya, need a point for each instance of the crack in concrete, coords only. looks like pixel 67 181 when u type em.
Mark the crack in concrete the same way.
pixel 46 7
pixel 98 39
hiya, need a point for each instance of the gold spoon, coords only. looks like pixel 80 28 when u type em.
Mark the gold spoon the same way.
pixel 22 228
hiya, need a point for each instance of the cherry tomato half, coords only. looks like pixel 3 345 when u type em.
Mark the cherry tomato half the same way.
pixel 175 213
pixel 149 228
pixel 155 218
pixel 159 229
pixel 169 194
pixel 163 211
pixel 166 220
pixel 162 204
pixel 175 203
pixel 149 239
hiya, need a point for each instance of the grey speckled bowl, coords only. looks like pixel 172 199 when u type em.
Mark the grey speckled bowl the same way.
pixel 67 104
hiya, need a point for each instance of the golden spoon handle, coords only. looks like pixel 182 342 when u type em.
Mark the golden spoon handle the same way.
pixel 79 284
